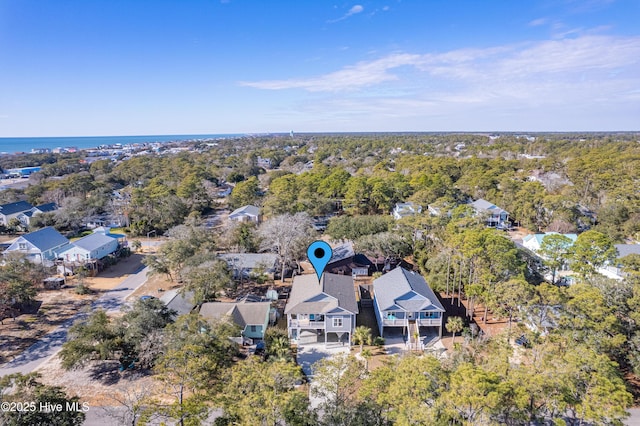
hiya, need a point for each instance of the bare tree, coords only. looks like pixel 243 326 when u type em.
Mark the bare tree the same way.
pixel 128 404
pixel 288 235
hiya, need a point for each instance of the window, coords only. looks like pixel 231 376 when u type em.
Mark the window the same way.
pixel 253 328
pixel 337 322
pixel 22 246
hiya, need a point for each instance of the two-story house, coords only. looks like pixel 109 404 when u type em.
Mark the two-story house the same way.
pixel 322 310
pixel 25 217
pixel 13 210
pixel 403 299
pixel 494 216
pixel 40 246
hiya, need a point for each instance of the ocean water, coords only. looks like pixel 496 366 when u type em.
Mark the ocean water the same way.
pixel 13 145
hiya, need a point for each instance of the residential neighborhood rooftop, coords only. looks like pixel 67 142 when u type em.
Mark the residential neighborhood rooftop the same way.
pixel 309 295
pixel 405 290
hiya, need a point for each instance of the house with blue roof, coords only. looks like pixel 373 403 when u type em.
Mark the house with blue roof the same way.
pixel 25 217
pixel 13 210
pixel 40 246
pixel 403 300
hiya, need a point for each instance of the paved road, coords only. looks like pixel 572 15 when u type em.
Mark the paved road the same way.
pixel 51 343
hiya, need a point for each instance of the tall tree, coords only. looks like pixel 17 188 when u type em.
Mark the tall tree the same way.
pixel 264 393
pixel 194 358
pixel 287 235
pixel 336 381
pixel 591 250
pixel 555 249
pixel 246 192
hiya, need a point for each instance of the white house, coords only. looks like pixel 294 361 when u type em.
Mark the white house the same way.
pixel 40 246
pixel 13 210
pixel 325 308
pixel 252 317
pixel 246 213
pixel 93 246
pixel 25 217
pixel 534 241
pixel 614 269
pixel 405 209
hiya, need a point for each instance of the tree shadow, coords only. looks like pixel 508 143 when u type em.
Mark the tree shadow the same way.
pixel 106 372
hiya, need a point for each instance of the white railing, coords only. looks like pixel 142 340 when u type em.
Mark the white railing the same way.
pixel 429 322
pixel 394 322
pixel 306 323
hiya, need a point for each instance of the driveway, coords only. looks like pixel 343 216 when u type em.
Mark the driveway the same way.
pixel 311 353
pixel 50 344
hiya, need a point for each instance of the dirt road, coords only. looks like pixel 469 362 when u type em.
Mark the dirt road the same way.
pixel 51 343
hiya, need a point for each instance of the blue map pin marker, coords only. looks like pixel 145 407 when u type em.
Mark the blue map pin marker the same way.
pixel 319 254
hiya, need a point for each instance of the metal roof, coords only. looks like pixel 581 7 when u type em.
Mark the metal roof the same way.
pixel 246 210
pixel 93 241
pixel 46 238
pixel 13 208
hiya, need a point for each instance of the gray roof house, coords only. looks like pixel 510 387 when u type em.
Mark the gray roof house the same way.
pixel 495 216
pixel 39 246
pixel 403 299
pixel 92 246
pixel 325 308
pixel 245 264
pixel 252 317
pixel 246 213
pixel 614 269
pixel 179 301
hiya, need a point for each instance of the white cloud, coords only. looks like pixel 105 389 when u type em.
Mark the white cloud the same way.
pixel 555 84
pixel 363 74
pixel 353 11
pixel 552 59
pixel 538 22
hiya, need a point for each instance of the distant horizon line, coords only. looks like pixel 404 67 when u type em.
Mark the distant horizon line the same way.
pixel 332 132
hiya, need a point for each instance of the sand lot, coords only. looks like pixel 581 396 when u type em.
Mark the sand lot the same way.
pixel 53 307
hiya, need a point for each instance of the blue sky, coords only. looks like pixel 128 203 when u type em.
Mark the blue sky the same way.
pixel 127 67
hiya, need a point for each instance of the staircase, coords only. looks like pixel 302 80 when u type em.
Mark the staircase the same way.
pixel 414 343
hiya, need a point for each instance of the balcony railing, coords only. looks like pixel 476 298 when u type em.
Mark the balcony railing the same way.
pixel 394 321
pixel 429 322
pixel 304 323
